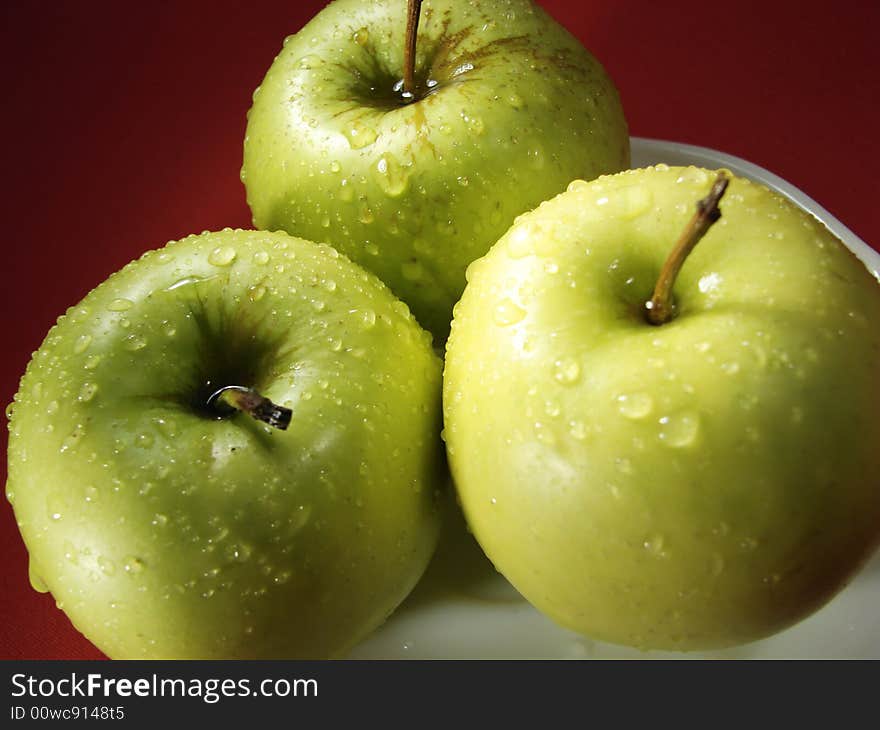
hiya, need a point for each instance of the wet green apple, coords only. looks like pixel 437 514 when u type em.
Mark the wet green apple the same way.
pixel 169 525
pixel 694 484
pixel 506 109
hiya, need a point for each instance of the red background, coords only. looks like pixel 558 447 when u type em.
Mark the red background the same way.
pixel 123 125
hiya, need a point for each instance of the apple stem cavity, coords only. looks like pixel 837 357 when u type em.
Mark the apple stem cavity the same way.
pixel 413 11
pixel 232 398
pixel 660 308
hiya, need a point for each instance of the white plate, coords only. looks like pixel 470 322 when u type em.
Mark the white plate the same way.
pixel 463 609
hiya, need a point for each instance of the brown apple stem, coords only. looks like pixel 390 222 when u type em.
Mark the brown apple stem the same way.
pixel 413 10
pixel 247 400
pixel 661 308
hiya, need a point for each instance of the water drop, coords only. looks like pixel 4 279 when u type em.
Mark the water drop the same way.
pixel 578 430
pixel 359 135
pixel 56 505
pixel 120 305
pixel 508 313
pixel 656 545
pixel 82 342
pixel 679 430
pixel 87 392
pixel 261 257
pixel 519 241
pixel 368 318
pixel 566 371
pixel 635 405
pixel 133 343
pixel 238 552
pixel 107 566
pixel 92 362
pixel 36 581
pixel 222 256
pixel 391 176
pixel 159 520
pixel 256 293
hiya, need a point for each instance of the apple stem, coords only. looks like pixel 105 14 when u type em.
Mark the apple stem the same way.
pixel 248 400
pixel 413 10
pixel 661 308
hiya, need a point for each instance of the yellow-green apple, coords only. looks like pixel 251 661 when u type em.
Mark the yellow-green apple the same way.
pixel 165 522
pixel 697 483
pixel 506 108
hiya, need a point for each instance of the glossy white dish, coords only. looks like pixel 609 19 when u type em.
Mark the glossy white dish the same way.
pixel 463 609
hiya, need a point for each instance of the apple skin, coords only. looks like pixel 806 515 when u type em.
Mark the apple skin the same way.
pixel 164 532
pixel 694 485
pixel 416 192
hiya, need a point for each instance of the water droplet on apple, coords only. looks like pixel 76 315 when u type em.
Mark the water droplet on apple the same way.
pixel 144 440
pixel 656 545
pixel 566 371
pixel 519 241
pixel 37 583
pixel 222 256
pixel 508 313
pixel 709 283
pixel 261 257
pixel 159 520
pixel 368 318
pixel 120 305
pixel 87 392
pixel 679 430
pixel 90 493
pixel 133 343
pixel 238 552
pixel 359 134
pixel 299 517
pixel 391 176
pixel 82 342
pixel 578 430
pixel 635 405
pixel 544 435
pixel 694 175
pixel 635 201
pixel 730 368
pixel 361 36
pixel 92 362
pixel 133 565
pixel 552 408
pixel 281 577
pixel 474 124
pixel 256 292
pixel 107 566
pixel 56 505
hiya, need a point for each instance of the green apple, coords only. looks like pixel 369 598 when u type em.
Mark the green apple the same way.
pixel 506 109
pixel 697 484
pixel 167 525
